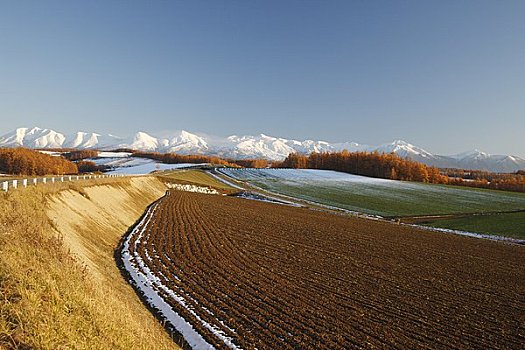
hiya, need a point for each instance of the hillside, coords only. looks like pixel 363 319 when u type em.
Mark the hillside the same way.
pixel 58 278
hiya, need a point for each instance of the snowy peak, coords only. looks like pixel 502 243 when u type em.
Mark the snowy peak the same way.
pixel 77 140
pixel 269 147
pixel 403 149
pixel 87 140
pixel 35 137
pixel 142 141
pixel 477 159
pixel 474 154
pixel 186 141
pixel 46 138
pixel 247 146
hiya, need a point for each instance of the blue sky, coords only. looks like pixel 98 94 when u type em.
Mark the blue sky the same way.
pixel 448 76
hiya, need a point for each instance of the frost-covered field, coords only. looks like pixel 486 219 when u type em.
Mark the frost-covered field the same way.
pixel 123 163
pixel 378 196
pixel 146 167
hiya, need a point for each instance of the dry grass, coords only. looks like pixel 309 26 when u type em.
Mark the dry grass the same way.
pixel 59 286
pixel 197 177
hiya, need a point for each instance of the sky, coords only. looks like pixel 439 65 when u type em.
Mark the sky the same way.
pixel 448 76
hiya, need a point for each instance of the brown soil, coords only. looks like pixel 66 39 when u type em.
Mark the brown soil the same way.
pixel 277 277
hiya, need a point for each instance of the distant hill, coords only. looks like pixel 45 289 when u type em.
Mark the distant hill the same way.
pixel 242 147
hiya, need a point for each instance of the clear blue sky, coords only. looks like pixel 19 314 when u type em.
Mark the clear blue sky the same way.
pixel 448 76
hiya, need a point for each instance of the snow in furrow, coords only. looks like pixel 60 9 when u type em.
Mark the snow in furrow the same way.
pixel 149 283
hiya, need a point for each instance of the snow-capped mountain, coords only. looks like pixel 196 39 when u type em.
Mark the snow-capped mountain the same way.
pixel 404 149
pixel 89 140
pixel 179 142
pixel 259 146
pixel 47 138
pixel 33 138
pixel 263 146
pixel 477 159
pixel 185 142
pixel 143 142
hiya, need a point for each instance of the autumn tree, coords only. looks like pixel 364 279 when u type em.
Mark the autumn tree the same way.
pixel 23 161
pixel 80 154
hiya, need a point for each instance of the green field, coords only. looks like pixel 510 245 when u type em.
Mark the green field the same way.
pixel 393 199
pixel 505 224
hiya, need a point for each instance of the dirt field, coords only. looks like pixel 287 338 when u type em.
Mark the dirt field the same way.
pixel 269 276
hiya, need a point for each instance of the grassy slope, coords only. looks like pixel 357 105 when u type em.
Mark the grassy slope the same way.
pixel 409 199
pixel 56 294
pixel 510 225
pixel 423 200
pixel 507 224
pixel 197 177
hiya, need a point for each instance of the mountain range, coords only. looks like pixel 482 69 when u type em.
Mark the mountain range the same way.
pixel 260 146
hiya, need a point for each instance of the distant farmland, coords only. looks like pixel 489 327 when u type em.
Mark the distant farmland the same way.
pixel 390 198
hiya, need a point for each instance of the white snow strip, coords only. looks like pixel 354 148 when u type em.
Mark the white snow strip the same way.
pixel 192 188
pixel 469 234
pixel 51 153
pixel 148 167
pixel 149 283
pixel 265 198
pixel 141 280
pixel 114 154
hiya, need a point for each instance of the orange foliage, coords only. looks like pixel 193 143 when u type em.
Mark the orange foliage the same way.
pixel 507 182
pixel 382 165
pixel 173 158
pixel 86 166
pixel 391 166
pixel 250 163
pixel 80 154
pixel 23 161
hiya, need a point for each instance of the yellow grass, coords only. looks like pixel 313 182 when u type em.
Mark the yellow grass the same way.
pixel 59 285
pixel 197 177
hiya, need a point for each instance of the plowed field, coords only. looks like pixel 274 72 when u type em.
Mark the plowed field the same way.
pixel 269 276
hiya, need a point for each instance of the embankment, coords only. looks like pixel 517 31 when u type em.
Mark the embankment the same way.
pixel 59 282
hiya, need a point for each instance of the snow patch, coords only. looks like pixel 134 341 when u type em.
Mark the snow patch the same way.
pixel 148 283
pixel 469 234
pixel 147 166
pixel 192 188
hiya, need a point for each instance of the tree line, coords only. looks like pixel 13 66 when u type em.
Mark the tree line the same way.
pixel 485 179
pixel 80 154
pixel 391 166
pixel 23 161
pixel 174 158
pixel 250 163
pixel 381 165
